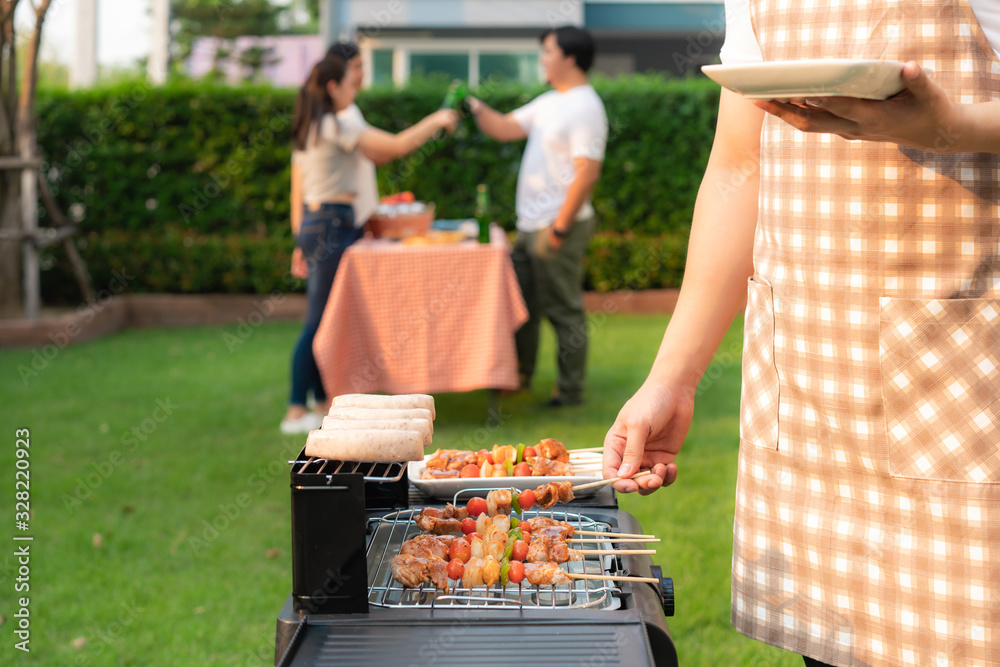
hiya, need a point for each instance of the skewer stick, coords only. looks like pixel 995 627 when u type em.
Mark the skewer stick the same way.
pixel 586 449
pixel 612 480
pixel 612 577
pixel 614 539
pixel 614 552
pixel 606 534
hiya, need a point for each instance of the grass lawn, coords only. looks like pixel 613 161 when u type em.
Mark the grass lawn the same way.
pixel 160 502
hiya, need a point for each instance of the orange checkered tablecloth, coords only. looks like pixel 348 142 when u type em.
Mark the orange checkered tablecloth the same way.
pixel 421 319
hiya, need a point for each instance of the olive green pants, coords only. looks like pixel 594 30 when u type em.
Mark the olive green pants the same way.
pixel 552 284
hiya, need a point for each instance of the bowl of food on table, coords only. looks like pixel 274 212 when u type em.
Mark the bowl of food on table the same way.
pixel 401 216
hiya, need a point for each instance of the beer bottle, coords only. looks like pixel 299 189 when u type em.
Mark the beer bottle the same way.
pixel 483 212
pixel 455 96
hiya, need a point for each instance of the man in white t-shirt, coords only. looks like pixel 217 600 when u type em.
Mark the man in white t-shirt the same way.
pixel 567 130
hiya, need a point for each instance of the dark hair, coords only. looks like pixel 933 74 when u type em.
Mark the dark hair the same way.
pixel 575 42
pixel 345 50
pixel 313 100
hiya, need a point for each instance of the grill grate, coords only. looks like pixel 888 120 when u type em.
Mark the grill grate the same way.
pixel 390 531
pixel 373 471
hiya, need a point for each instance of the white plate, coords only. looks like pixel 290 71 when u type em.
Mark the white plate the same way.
pixel 447 488
pixel 866 79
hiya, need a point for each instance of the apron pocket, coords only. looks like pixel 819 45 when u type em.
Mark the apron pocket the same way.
pixel 940 366
pixel 759 396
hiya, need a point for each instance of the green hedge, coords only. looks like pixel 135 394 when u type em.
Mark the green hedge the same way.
pixel 162 178
pixel 178 260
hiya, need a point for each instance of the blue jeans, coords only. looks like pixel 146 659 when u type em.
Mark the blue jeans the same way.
pixel 323 237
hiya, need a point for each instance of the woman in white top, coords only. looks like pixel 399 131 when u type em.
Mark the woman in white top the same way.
pixel 326 165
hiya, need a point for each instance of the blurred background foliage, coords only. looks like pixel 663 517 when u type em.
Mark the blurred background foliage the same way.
pixel 189 182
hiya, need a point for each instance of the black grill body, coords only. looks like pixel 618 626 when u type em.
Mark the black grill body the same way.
pixel 327 620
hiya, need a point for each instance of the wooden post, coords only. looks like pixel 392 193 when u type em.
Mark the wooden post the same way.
pixel 29 217
pixel 83 68
pixel 159 53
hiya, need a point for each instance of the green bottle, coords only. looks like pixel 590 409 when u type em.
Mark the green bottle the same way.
pixel 483 212
pixel 455 97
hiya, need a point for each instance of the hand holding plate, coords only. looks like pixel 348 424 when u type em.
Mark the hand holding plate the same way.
pixel 921 116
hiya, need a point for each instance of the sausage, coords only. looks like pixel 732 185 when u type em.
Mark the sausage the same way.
pixel 422 426
pixel 386 402
pixel 377 445
pixel 351 412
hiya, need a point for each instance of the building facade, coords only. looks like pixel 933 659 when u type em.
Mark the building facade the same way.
pixel 475 40
pixel 480 40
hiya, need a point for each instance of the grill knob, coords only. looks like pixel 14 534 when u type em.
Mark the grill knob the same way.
pixel 666 590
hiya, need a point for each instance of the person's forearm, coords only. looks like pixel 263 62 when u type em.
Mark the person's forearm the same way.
pixel 490 122
pixel 296 200
pixel 719 261
pixel 415 136
pixel 981 131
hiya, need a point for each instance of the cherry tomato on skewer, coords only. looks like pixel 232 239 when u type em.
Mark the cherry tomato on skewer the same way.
pixel 516 572
pixel 476 506
pixel 456 569
pixel 460 550
pixel 468 525
pixel 526 499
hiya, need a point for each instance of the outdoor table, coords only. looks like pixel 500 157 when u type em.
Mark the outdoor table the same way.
pixel 423 319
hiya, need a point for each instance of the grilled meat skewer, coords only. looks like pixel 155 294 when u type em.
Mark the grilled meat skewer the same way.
pixel 543 525
pixel 546 574
pixel 426 546
pixel 549 494
pixel 442 521
pixel 546 549
pixel 414 571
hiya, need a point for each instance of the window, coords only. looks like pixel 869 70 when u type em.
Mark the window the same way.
pixel 477 61
pixel 439 65
pixel 382 66
pixel 521 67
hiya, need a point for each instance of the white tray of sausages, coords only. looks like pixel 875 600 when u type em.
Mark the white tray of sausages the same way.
pixel 375 427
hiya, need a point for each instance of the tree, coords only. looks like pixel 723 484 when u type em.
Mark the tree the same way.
pixel 256 58
pixel 224 19
pixel 18 145
pixel 21 185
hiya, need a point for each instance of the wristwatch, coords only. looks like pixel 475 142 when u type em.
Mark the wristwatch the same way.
pixel 560 234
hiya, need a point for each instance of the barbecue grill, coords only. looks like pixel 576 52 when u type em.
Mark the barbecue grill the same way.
pixel 349 519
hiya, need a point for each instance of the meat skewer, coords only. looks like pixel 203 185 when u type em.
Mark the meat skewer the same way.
pixel 546 574
pixel 414 571
pixel 441 521
pixel 549 494
pixel 543 525
pixel 550 448
pixel 426 546
pixel 552 549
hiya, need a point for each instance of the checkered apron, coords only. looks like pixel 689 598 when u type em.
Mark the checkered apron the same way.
pixel 868 503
